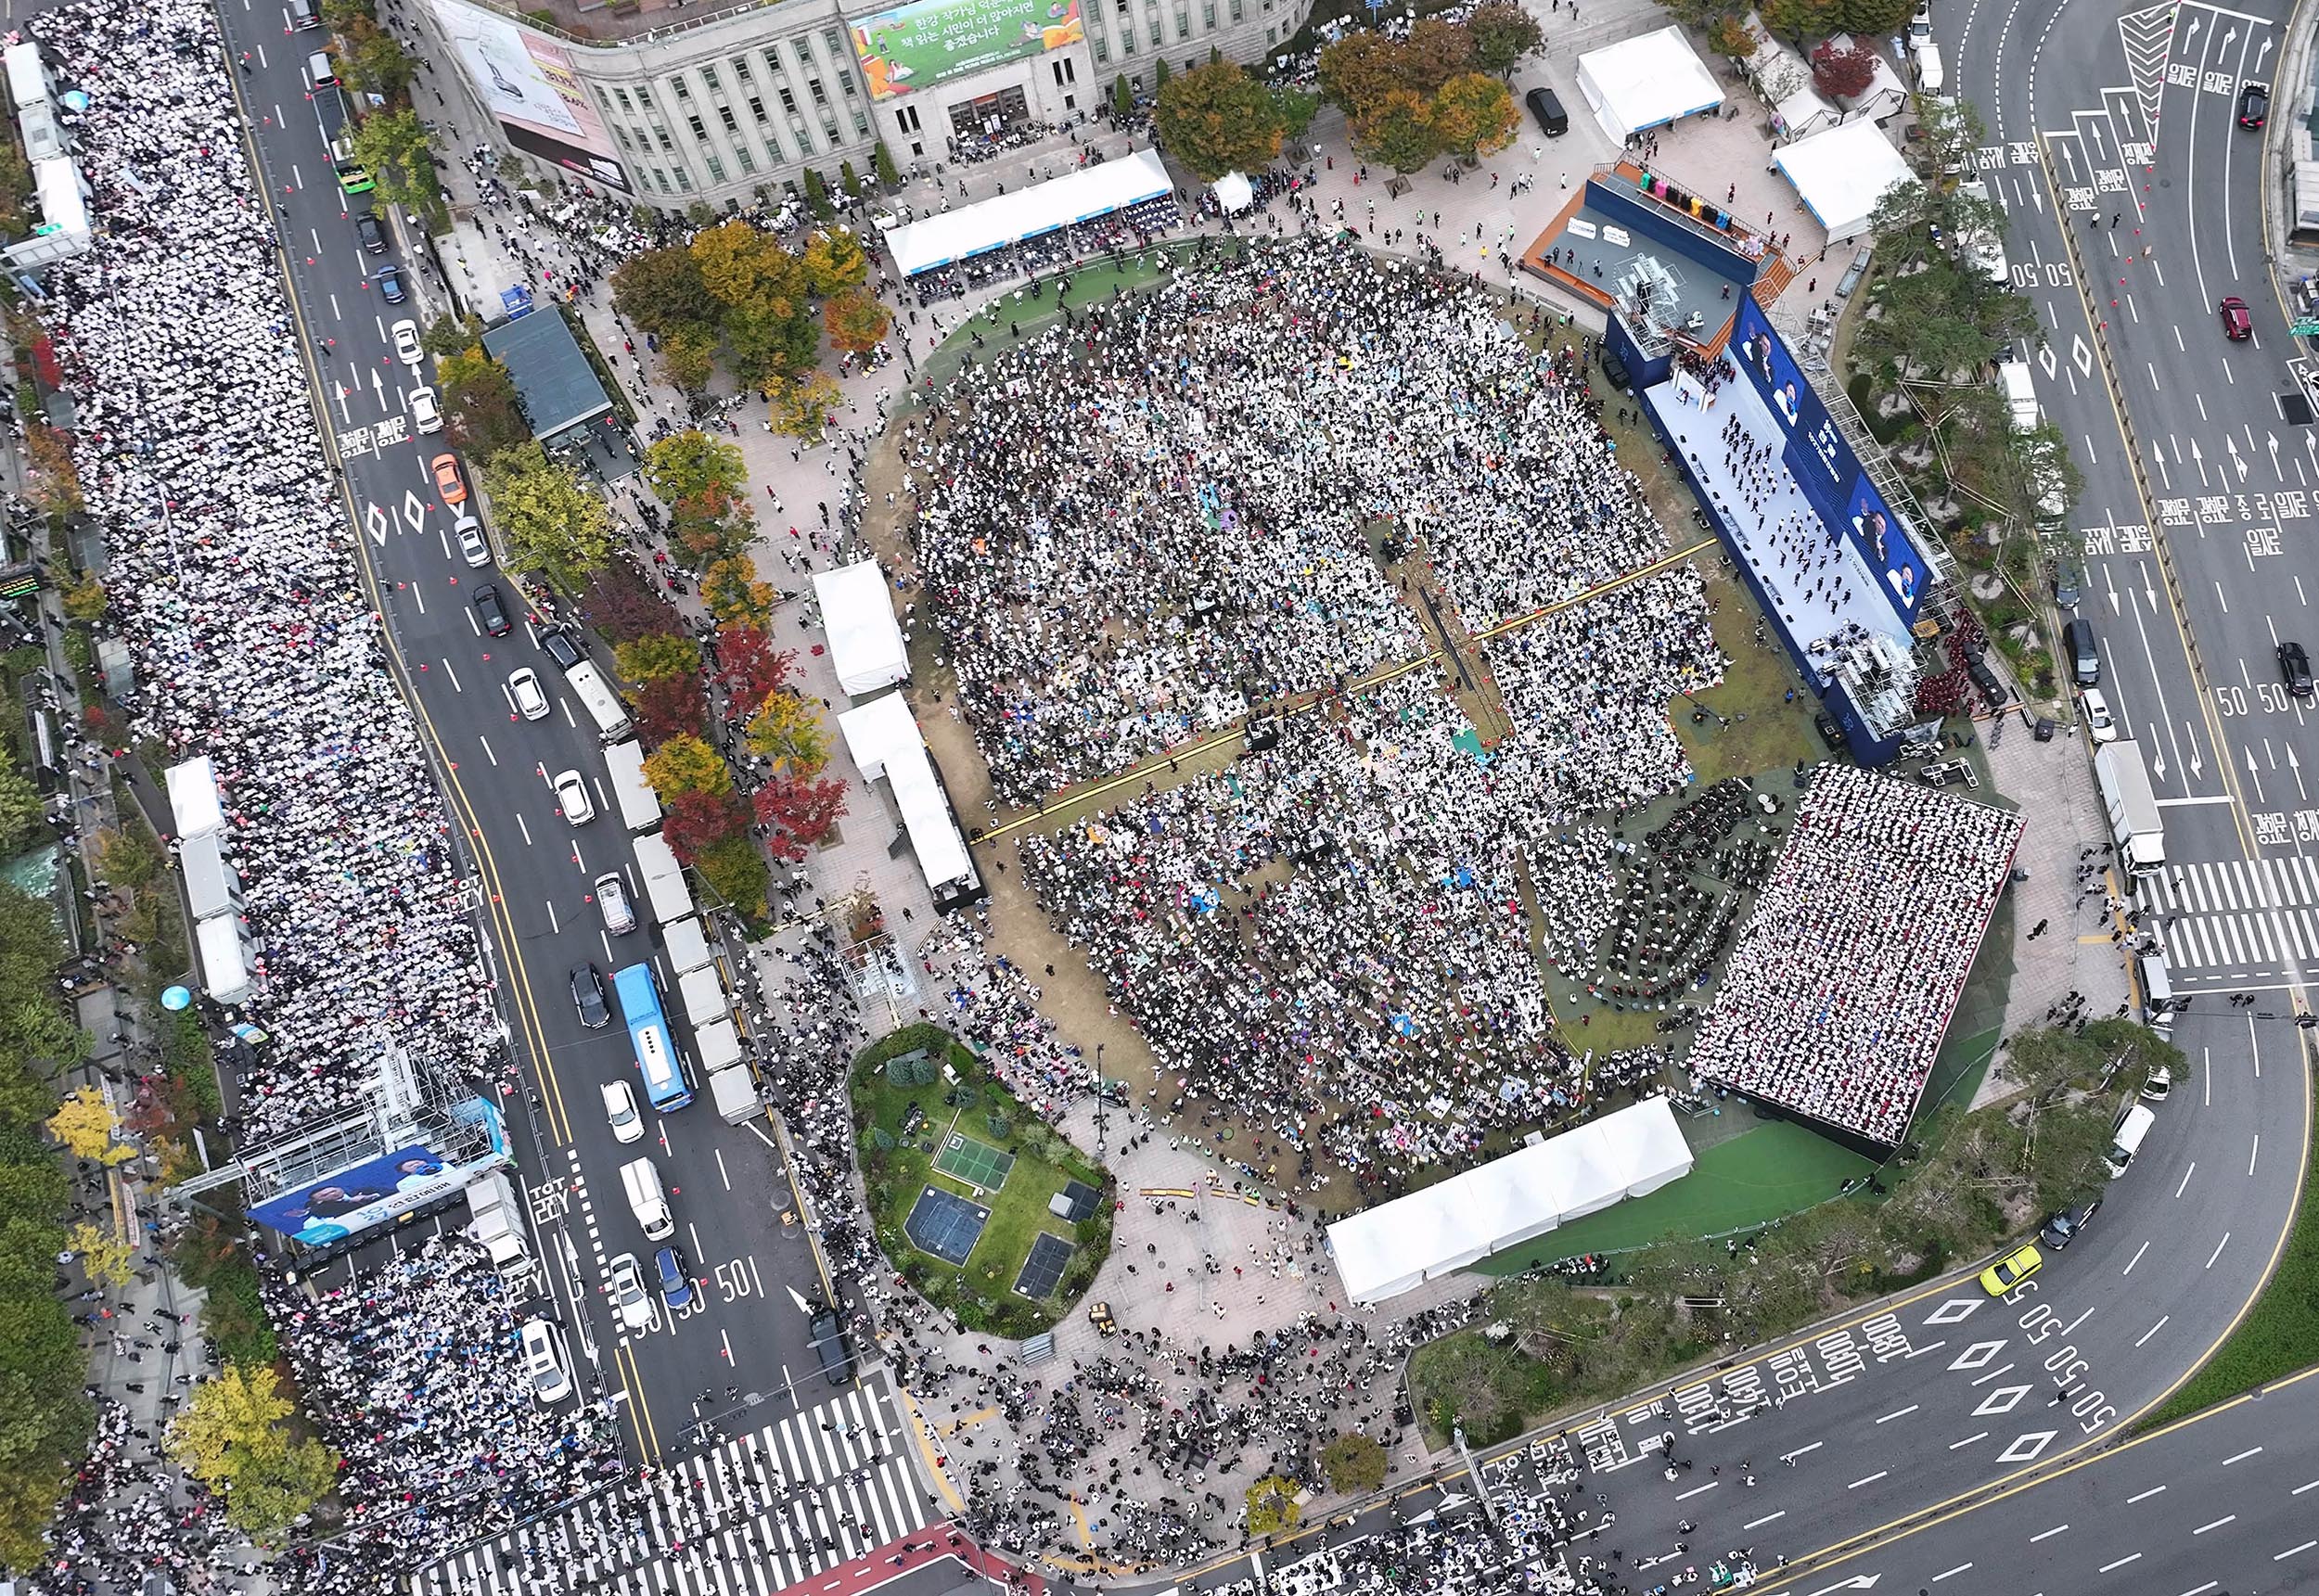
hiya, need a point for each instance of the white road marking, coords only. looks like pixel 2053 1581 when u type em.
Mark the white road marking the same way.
pixel 2136 1259
pixel 2049 1534
pixel 2227 1518
pixel 1869 1480
pixel 2154 1329
pixel 2240 1457
pixel 1969 1440
pixel 1900 1413
pixel 2145 1495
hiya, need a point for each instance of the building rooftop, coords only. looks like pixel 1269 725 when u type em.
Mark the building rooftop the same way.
pixel 621 22
pixel 552 376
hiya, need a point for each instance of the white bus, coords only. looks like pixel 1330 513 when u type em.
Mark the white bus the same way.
pixel 663 879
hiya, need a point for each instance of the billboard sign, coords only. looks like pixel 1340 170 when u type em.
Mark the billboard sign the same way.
pixel 1826 469
pixel 527 82
pixel 909 49
pixel 356 1198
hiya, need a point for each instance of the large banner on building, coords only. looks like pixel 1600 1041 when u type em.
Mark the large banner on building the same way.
pixel 1826 468
pixel 360 1196
pixel 910 48
pixel 526 79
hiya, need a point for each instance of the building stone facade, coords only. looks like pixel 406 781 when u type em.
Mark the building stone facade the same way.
pixel 715 105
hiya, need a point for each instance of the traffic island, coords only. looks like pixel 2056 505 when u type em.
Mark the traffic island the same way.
pixel 987 1211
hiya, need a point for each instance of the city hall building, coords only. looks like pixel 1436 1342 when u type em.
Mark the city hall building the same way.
pixel 672 105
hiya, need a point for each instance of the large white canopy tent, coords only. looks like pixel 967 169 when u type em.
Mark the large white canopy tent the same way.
pixel 884 739
pixel 1646 82
pixel 866 644
pixel 193 804
pixel 1399 1245
pixel 1840 172
pixel 1078 196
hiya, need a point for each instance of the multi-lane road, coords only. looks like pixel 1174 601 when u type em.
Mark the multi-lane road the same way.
pixel 737 1221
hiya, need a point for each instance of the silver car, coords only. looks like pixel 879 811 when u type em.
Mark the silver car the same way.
pixel 631 1301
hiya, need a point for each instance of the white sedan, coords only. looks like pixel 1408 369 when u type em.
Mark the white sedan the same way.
pixel 525 692
pixel 572 795
pixel 2100 724
pixel 630 1300
pixel 425 410
pixel 619 1107
pixel 408 349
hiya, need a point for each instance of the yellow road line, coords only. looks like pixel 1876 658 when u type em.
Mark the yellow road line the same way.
pixel 918 1426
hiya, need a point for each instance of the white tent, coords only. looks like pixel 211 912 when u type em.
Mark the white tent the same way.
pixel 225 958
pixel 193 800
pixel 1078 196
pixel 1783 79
pixel 1233 192
pixel 884 740
pixel 1842 173
pixel 866 644
pixel 1399 1245
pixel 1646 82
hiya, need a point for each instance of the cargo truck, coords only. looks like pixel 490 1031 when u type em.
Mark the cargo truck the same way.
pixel 2134 823
pixel 623 762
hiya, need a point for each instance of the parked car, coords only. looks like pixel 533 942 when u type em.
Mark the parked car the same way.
pixel 526 693
pixel 2069 1224
pixel 2100 724
pixel 630 1302
pixel 588 996
pixel 2295 668
pixel 2254 105
pixel 677 1286
pixel 2011 1271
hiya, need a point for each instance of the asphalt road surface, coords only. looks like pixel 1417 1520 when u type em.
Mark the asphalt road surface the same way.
pixel 726 1184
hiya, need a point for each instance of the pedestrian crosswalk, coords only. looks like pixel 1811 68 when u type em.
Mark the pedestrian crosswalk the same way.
pixel 747 1518
pixel 2255 917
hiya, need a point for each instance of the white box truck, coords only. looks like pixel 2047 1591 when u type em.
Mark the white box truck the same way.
pixel 498 1226
pixel 2134 822
pixel 663 878
pixel 687 945
pixel 641 1180
pixel 2020 394
pixel 702 995
pixel 624 763
pixel 735 1094
pixel 597 696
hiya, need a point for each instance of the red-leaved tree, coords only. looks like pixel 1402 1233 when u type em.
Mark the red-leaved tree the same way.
pixel 698 821
pixel 626 607
pixel 1843 72
pixel 801 811
pixel 749 667
pixel 668 705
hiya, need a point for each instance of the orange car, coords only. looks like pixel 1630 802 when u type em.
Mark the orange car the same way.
pixel 448 483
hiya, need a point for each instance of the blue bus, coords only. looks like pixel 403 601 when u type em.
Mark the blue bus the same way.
pixel 657 1058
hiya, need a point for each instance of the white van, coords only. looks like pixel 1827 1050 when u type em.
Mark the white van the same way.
pixel 1929 77
pixel 320 73
pixel 2132 1125
pixel 647 1200
pixel 2158 993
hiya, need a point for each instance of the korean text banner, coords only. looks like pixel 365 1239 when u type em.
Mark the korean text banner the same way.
pixel 360 1195
pixel 910 48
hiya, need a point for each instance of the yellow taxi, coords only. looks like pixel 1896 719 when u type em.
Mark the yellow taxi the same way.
pixel 2011 1271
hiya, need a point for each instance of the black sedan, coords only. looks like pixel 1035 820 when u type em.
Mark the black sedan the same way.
pixel 2069 1224
pixel 494 613
pixel 588 996
pixel 2254 105
pixel 2295 668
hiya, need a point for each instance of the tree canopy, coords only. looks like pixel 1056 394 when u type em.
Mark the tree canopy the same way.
pixel 1217 118
pixel 549 520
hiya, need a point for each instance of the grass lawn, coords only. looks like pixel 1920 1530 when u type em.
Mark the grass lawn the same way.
pixel 898 1169
pixel 2280 1334
pixel 1763 1174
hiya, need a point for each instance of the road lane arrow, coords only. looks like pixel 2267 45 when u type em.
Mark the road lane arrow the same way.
pixel 2262 52
pixel 2198 458
pixel 2149 589
pixel 2254 773
pixel 2229 36
pixel 2157 764
pixel 2232 444
pixel 2110 582
pixel 2273 439
pixel 2296 766
pixel 2198 760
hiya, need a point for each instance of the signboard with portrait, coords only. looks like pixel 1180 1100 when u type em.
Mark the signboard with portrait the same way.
pixel 527 82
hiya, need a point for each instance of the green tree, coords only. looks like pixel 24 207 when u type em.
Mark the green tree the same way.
pixel 1502 33
pixel 376 63
pixel 817 196
pixel 835 261
pixel 1873 19
pixel 1122 102
pixel 848 180
pixel 482 413
pixel 1353 1463
pixel 661 291
pixel 1296 108
pixel 1798 20
pixel 688 358
pixel 550 521
pixel 803 405
pixel 686 764
pixel 1730 36
pixel 1396 132
pixel 21 810
pixel 85 600
pixel 889 175
pixel 1159 76
pixel 1217 118
pixel 785 731
pixel 1272 1506
pixel 231 1438
pixel 1000 1127
pixel 448 335
pixel 393 146
pixel 649 658
pixel 737 872
pixel 1473 115
pixel 691 466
